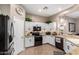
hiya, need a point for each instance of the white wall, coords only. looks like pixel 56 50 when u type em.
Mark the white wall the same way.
pixel 10 9
pixel 13 10
pixel 5 9
pixel 36 18
pixel 65 21
pixel 77 25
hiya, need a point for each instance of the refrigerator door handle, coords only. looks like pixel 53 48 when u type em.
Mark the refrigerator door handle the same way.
pixel 12 30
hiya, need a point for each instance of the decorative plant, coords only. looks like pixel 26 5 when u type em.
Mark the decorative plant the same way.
pixel 28 19
pixel 1 14
pixel 48 22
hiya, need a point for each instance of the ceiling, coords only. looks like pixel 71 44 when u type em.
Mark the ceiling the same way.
pixel 74 14
pixel 38 9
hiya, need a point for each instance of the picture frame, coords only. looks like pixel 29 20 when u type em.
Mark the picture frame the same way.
pixel 72 27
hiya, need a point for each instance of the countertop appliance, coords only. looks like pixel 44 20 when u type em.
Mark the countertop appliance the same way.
pixel 48 33
pixel 35 33
pixel 59 43
pixel 6 35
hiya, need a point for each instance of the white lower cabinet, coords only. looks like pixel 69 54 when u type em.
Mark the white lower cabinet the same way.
pixel 52 40
pixel 45 39
pixel 29 41
pixel 49 39
pixel 68 46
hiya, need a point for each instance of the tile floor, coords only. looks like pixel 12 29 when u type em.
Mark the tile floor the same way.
pixel 45 49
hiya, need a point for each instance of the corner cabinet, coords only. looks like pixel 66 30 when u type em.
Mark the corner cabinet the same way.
pixel 29 41
pixel 45 39
pixel 52 40
pixel 68 46
pixel 49 39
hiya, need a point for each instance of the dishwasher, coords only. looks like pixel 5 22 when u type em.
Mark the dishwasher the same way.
pixel 59 43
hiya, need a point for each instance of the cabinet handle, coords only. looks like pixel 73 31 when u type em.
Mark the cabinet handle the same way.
pixel 30 40
pixel 68 47
pixel 72 44
pixel 22 37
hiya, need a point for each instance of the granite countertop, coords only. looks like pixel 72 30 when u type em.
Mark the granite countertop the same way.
pixel 72 38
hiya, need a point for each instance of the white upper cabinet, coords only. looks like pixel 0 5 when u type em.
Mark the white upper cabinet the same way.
pixel 28 26
pixel 44 26
pixel 52 26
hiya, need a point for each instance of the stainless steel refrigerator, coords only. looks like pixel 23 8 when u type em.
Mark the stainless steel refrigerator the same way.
pixel 6 35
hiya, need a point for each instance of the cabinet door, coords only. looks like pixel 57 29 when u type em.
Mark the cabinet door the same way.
pixel 18 35
pixel 49 39
pixel 45 27
pixel 26 26
pixel 52 40
pixel 72 46
pixel 45 39
pixel 29 41
pixel 31 26
pixel 53 26
pixel 68 46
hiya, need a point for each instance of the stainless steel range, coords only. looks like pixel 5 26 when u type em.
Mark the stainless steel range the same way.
pixel 37 37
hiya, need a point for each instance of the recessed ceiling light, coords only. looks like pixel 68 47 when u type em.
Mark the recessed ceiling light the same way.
pixel 39 10
pixel 61 20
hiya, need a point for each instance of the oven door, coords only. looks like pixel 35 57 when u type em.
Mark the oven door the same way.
pixel 59 43
pixel 38 40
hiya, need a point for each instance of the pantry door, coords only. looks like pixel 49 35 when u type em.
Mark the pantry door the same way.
pixel 18 35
